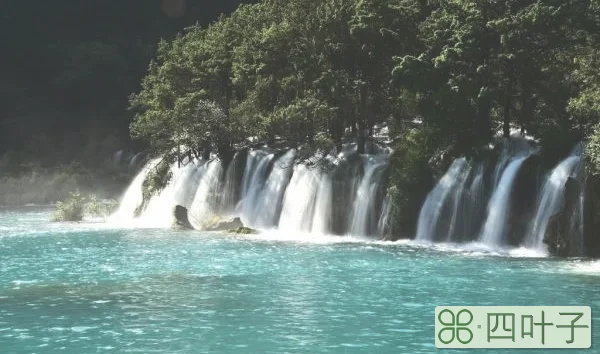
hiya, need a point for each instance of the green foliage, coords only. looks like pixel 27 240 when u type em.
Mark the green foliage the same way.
pixel 297 73
pixel 99 209
pixel 71 209
pixel 592 151
pixel 411 178
pixel 75 207
pixel 488 64
pixel 157 179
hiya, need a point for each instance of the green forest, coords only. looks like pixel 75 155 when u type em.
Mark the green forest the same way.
pixel 446 76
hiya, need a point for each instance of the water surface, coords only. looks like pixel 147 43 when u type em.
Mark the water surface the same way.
pixel 86 288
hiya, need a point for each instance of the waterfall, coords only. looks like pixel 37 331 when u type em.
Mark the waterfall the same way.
pixel 458 208
pixel 344 194
pixel 432 210
pixel 203 208
pixel 383 223
pixel 321 223
pixel 365 197
pixel 257 168
pixel 269 199
pixel 551 199
pixel 299 200
pixel 133 197
pixel 498 210
pixel 230 188
pixel 268 188
pixel 457 198
pixel 159 209
pixel 474 205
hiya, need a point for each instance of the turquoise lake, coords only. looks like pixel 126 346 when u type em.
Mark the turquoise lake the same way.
pixel 93 288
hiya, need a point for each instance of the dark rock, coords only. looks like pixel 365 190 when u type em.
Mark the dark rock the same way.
pixel 243 231
pixel 553 238
pixel 524 196
pixel 573 217
pixel 563 235
pixel 181 218
pixel 591 224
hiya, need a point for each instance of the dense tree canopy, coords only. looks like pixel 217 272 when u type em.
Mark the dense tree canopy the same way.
pixel 291 72
pixel 446 76
pixel 306 72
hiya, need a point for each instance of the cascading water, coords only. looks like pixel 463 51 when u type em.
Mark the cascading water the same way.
pixel 257 168
pixel 269 200
pixel 230 188
pixel 299 200
pixel 158 212
pixel 270 192
pixel 383 224
pixel 454 211
pixel 551 199
pixel 457 198
pixel 344 195
pixel 205 203
pixel 133 197
pixel 366 194
pixel 474 205
pixel 432 210
pixel 493 231
pixel 321 223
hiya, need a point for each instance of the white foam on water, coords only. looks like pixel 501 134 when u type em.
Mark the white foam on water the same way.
pixel 583 267
pixel 274 235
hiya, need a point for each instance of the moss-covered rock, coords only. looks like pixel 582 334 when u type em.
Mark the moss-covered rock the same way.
pixel 243 231
pixel 226 224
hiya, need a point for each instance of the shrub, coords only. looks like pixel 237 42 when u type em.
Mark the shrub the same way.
pixel 97 208
pixel 592 152
pixel 70 209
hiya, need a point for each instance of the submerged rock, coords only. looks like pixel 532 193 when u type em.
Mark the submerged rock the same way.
pixel 243 231
pixel 181 218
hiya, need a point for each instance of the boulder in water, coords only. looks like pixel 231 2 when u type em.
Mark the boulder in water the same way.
pixel 244 231
pixel 181 218
pixel 224 225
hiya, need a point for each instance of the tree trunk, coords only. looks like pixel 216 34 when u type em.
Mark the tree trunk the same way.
pixel 361 119
pixel 506 127
pixel 361 138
